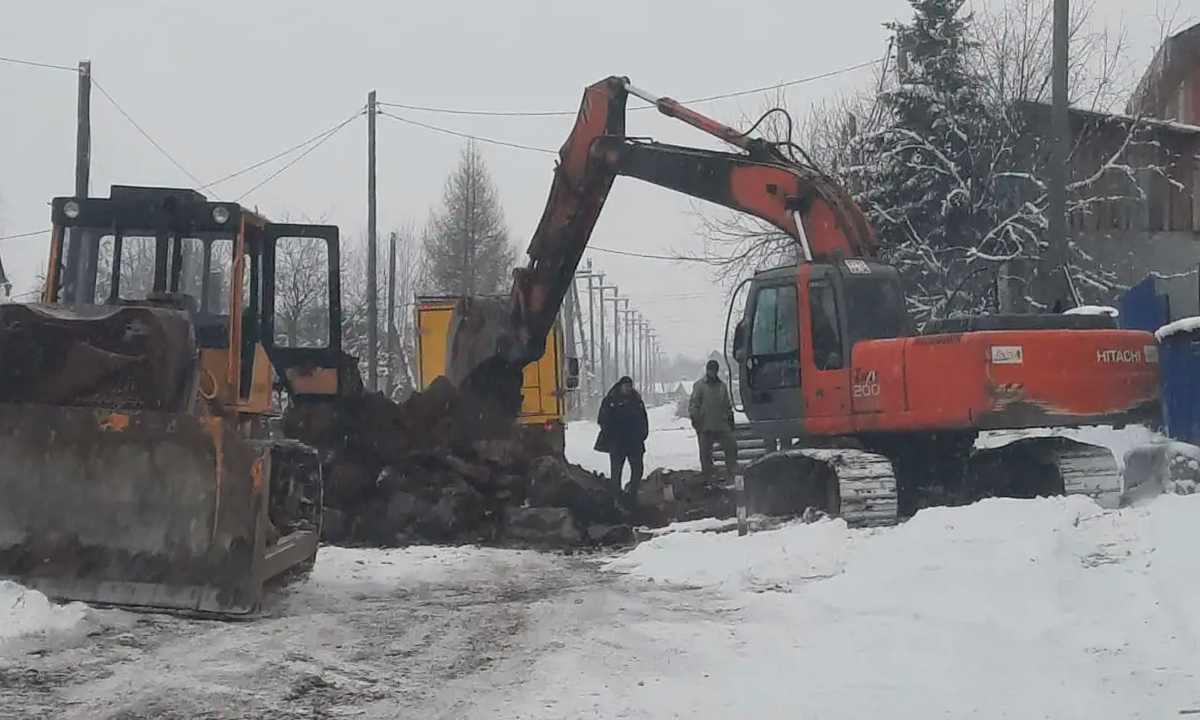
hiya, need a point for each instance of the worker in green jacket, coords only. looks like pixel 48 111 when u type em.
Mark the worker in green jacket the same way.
pixel 711 412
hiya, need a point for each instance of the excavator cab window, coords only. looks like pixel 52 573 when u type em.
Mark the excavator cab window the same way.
pixel 774 360
pixel 826 330
pixel 874 300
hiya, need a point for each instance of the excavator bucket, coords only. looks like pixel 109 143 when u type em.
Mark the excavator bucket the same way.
pixel 134 508
pixel 477 353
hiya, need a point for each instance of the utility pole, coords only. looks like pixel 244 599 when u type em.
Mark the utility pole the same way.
pixel 83 131
pixel 1060 126
pixel 618 340
pixel 393 238
pixel 590 276
pixel 632 318
pixel 601 289
pixel 372 280
pixel 76 264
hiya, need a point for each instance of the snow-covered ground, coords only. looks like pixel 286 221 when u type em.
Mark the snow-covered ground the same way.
pixel 1004 609
pixel 25 613
pixel 1007 608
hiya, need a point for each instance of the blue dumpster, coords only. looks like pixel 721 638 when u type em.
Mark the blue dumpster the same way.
pixel 1142 307
pixel 1179 360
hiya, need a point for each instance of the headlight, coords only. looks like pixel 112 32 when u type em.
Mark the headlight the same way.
pixel 71 209
pixel 220 214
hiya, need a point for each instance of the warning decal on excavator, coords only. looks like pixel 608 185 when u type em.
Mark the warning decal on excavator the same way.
pixel 1008 354
pixel 858 267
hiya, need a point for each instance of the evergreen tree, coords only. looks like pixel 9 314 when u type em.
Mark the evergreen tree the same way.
pixel 466 242
pixel 924 176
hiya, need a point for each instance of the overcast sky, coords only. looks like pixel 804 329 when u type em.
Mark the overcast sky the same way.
pixel 222 84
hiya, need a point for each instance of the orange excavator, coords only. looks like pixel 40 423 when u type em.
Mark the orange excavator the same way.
pixel 875 419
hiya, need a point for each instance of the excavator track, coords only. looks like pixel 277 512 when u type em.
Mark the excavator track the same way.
pixel 1047 466
pixel 857 486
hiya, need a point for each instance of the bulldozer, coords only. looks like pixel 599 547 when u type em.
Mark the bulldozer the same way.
pixel 876 420
pixel 141 464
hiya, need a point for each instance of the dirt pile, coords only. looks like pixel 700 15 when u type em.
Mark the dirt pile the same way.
pixel 440 468
pixel 668 496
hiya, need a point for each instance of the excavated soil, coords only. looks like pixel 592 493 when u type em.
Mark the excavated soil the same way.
pixel 442 468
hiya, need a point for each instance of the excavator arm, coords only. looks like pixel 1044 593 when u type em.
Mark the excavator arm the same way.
pixel 489 344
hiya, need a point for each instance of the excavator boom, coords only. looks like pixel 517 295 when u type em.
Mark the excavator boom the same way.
pixel 489 344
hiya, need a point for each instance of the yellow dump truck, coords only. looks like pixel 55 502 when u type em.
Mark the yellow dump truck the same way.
pixel 543 393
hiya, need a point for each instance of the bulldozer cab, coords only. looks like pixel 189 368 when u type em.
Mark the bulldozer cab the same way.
pixel 138 467
pixel 794 342
pixel 263 298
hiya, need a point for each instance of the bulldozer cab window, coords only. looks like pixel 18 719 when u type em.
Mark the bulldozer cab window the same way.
pixel 129 265
pixel 302 293
pixel 826 330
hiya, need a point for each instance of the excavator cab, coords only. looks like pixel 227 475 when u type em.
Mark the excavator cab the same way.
pixel 136 401
pixel 801 323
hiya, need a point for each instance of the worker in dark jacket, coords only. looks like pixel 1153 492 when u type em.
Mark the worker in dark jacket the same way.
pixel 623 431
pixel 711 413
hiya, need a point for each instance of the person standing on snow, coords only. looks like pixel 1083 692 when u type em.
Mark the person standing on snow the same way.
pixel 711 413
pixel 623 431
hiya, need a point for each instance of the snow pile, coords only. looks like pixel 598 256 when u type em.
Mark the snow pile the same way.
pixel 1093 310
pixel 691 554
pixel 1182 325
pixel 1005 608
pixel 25 612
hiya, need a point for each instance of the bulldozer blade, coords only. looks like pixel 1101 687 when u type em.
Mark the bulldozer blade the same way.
pixel 1046 466
pixel 145 510
pixel 857 486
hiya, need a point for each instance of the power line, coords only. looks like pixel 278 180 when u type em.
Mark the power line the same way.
pixel 572 113
pixel 34 63
pixel 447 131
pixel 144 134
pixel 283 153
pixel 649 256
pixel 18 236
pixel 328 134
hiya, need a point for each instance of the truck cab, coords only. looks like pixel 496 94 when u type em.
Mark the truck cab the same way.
pixel 546 382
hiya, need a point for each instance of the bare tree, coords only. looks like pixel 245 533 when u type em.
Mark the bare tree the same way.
pixel 467 249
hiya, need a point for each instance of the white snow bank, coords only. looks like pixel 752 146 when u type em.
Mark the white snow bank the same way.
pixel 1003 609
pixel 792 554
pixel 25 612
pixel 1182 325
pixel 1093 310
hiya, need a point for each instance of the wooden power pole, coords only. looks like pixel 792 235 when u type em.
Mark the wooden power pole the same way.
pixel 392 344
pixel 1060 138
pixel 76 264
pixel 83 131
pixel 372 262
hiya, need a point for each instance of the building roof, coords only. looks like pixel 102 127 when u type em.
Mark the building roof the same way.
pixel 1165 72
pixel 1166 125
